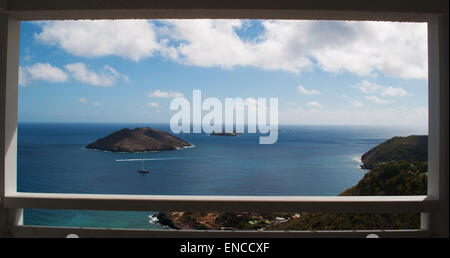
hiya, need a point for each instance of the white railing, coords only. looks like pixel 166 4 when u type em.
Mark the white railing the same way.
pixel 338 204
pixel 353 204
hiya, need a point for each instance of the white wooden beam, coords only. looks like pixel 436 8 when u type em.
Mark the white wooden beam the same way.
pixel 333 204
pixel 61 232
pixel 9 72
pixel 438 145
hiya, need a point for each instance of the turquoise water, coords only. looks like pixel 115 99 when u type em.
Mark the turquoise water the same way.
pixel 306 160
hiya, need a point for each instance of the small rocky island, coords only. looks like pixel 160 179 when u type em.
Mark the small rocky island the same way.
pixel 225 134
pixel 138 140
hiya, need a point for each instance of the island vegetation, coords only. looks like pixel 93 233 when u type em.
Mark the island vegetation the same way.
pixel 138 140
pixel 397 167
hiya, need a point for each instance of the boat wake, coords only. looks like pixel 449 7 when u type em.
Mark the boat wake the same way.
pixel 131 160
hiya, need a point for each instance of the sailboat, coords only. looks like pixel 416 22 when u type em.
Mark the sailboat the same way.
pixel 143 171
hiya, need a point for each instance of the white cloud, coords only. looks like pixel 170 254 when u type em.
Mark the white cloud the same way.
pixel 304 91
pixel 207 43
pixel 153 104
pixel 393 91
pixel 373 88
pixel 165 94
pixel 377 100
pixel 296 109
pixel 363 48
pixel 41 71
pixel 94 103
pixel 367 87
pixel 106 77
pixel 210 43
pixel 314 104
pixel 384 117
pixel 131 39
pixel 357 103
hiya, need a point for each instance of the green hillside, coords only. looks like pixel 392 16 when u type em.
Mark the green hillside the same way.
pixel 400 178
pixel 412 148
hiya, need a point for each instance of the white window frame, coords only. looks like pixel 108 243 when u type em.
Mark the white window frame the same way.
pixel 433 207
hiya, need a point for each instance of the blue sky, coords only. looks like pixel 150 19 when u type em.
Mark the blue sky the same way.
pixel 322 72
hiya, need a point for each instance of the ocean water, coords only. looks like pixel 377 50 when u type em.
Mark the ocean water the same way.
pixel 306 160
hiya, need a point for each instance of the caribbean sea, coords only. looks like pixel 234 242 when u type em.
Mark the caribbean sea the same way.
pixel 305 161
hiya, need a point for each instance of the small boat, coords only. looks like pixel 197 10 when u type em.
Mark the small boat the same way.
pixel 143 170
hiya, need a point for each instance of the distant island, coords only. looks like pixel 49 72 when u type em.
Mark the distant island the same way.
pixel 397 166
pixel 138 140
pixel 225 134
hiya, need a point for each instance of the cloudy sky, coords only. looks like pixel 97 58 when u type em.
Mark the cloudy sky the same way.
pixel 323 72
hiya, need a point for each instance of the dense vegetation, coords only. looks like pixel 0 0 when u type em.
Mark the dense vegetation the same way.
pixel 316 221
pixel 412 148
pixel 402 178
pixel 398 167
